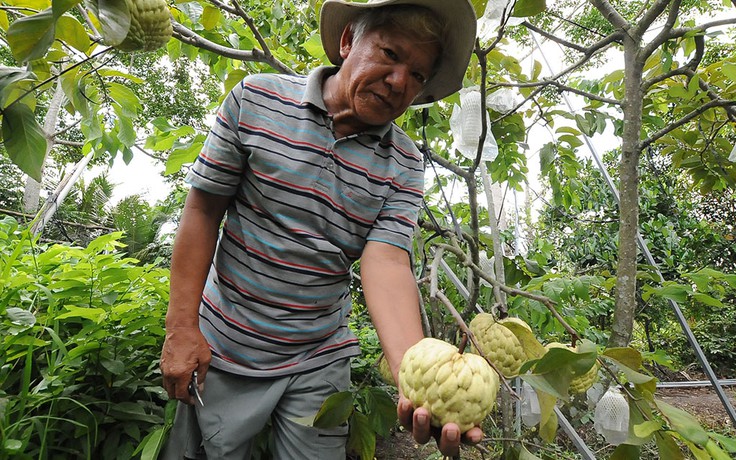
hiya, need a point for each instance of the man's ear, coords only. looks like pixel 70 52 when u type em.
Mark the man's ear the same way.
pixel 346 42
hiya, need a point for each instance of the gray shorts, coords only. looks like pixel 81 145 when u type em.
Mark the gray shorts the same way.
pixel 236 408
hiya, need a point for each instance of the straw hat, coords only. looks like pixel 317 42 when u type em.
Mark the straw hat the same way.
pixel 458 15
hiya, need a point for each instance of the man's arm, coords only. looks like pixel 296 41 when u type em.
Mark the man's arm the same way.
pixel 185 348
pixel 393 302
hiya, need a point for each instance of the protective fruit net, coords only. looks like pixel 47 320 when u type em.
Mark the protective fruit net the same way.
pixel 612 417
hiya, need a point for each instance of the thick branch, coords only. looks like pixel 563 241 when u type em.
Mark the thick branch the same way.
pixel 189 37
pixel 664 34
pixel 654 12
pixel 610 13
pixel 682 31
pixel 689 117
pixel 455 169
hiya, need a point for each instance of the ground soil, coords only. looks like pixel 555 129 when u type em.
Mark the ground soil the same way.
pixel 702 402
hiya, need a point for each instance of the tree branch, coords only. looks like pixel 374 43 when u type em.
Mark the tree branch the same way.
pixel 591 51
pixel 664 34
pixel 692 65
pixel 690 116
pixel 610 13
pixel 191 38
pixel 546 301
pixel 554 38
pixel 455 169
pixel 561 87
pixel 730 110
pixel 653 13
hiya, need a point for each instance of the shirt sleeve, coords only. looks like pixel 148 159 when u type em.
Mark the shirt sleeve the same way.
pixel 398 216
pixel 219 166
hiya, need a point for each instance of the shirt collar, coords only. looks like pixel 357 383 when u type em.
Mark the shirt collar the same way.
pixel 313 96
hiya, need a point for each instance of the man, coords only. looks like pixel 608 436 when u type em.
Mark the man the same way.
pixel 313 176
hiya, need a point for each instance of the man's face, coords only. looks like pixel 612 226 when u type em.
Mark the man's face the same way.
pixel 385 72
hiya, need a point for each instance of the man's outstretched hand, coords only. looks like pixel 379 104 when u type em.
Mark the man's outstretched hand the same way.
pixel 448 438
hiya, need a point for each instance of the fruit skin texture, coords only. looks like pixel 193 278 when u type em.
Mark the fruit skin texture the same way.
pixel 582 383
pixel 385 370
pixel 498 343
pixel 454 387
pixel 150 25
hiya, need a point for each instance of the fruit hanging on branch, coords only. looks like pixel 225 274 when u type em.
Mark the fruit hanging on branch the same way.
pixel 498 343
pixel 134 25
pixel 454 387
pixel 581 383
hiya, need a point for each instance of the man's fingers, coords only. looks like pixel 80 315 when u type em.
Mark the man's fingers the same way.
pixel 473 436
pixel 449 442
pixel 420 429
pixel 405 412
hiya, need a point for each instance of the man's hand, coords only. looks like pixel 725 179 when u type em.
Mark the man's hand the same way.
pixel 185 350
pixel 448 438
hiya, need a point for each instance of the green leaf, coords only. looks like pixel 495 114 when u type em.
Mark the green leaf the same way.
pixel 72 32
pixel 31 36
pixel 548 425
pixel 667 447
pixel 525 8
pixel 313 46
pixel 381 410
pixel 152 444
pixel 114 19
pixel 553 383
pixel 529 342
pixel 20 317
pixel 335 410
pixel 114 366
pixel 645 429
pixel 24 139
pixel 125 96
pixel 10 75
pixel 526 455
pixel 625 355
pixel 683 423
pixel 729 70
pixel 59 7
pixel 716 452
pixel 362 439
pixel 93 314
pixel 182 156
pixel 727 443
pixel 12 446
pixel 707 300
pixel 210 17
pixel 480 7
pixel 626 452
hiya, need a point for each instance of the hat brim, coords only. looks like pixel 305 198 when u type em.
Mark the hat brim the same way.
pixel 460 21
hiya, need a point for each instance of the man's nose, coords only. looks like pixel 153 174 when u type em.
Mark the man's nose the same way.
pixel 398 78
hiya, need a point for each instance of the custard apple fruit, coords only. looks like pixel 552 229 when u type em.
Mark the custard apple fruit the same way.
pixel 150 25
pixel 454 387
pixel 498 343
pixel 582 383
pixel 385 370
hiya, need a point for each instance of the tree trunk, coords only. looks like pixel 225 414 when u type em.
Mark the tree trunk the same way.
pixel 32 191
pixel 623 317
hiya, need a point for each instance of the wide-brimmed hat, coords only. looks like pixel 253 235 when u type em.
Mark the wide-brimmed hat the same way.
pixel 457 15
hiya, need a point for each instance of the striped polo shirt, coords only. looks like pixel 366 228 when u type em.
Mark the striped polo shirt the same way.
pixel 303 206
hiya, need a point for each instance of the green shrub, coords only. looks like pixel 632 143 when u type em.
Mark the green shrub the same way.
pixel 80 335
